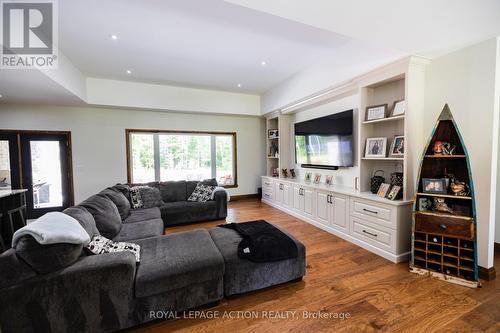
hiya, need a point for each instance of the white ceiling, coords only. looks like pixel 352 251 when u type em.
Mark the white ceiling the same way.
pixel 209 43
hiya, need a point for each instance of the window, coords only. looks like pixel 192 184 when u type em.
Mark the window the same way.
pixel 165 155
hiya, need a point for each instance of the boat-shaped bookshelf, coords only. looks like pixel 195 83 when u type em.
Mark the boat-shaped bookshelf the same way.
pixel 444 213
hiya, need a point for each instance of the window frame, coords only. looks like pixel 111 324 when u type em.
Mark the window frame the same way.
pixel 130 131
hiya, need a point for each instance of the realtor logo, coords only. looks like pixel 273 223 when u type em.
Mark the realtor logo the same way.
pixel 28 34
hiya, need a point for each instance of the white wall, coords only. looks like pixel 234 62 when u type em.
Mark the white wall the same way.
pixel 466 81
pixel 342 176
pixel 98 137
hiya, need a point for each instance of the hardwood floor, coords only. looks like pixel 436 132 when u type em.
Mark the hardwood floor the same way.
pixel 344 278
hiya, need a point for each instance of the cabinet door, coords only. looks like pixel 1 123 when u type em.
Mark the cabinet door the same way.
pixel 322 207
pixel 278 193
pixel 339 213
pixel 307 200
pixel 287 195
pixel 297 198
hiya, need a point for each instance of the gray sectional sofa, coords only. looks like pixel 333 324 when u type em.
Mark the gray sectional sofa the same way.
pixel 110 292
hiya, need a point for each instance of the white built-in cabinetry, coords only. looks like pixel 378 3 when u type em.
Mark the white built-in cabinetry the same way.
pixel 376 224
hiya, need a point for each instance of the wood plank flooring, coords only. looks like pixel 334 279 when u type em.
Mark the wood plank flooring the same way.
pixel 343 278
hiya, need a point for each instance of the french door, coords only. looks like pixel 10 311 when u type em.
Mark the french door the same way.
pixel 41 163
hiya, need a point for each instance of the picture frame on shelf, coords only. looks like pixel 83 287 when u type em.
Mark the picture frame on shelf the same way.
pixel 317 178
pixel 328 180
pixel 398 146
pixel 434 185
pixel 424 204
pixel 376 112
pixel 383 190
pixel 376 147
pixel 394 192
pixel 308 176
pixel 398 108
pixel 272 134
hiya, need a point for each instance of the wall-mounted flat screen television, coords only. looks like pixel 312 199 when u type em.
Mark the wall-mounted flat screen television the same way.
pixel 325 142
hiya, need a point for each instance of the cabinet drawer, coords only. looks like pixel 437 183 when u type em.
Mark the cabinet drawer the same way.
pixel 268 195
pixel 451 226
pixel 266 184
pixel 373 212
pixel 378 236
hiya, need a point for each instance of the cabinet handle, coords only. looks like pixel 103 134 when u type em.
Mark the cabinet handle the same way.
pixel 328 197
pixel 443 226
pixel 369 233
pixel 370 211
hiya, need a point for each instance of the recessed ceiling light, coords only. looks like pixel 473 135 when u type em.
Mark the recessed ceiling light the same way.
pixel 1 96
pixel 263 63
pixel 114 37
pixel 239 85
pixel 128 71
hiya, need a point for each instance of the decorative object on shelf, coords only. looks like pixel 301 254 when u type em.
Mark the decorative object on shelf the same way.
pixel 328 180
pixel 441 206
pixel 434 185
pixel 376 147
pixel 317 178
pixel 376 112
pixel 444 241
pixel 275 172
pixel 273 150
pixel 272 134
pixel 383 190
pixel 394 193
pixel 459 188
pixel 284 173
pixel 308 176
pixel 397 180
pixel 292 173
pixel 424 204
pixel 398 146
pixel 376 181
pixel 398 108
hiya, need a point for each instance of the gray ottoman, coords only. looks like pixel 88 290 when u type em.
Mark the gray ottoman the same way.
pixel 241 275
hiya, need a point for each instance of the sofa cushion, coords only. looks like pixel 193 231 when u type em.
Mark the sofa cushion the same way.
pixel 47 258
pixel 173 191
pixel 191 185
pixel 140 230
pixel 150 196
pixel 101 245
pixel 188 211
pixel 143 214
pixel 202 193
pixel 14 269
pixel 120 200
pixel 243 275
pixel 86 220
pixel 106 215
pixel 176 261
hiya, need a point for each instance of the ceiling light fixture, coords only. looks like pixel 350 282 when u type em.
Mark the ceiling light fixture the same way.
pixel 239 85
pixel 263 63
pixel 1 96
pixel 114 37
pixel 128 71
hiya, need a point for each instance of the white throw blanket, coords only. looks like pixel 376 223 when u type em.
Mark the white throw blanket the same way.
pixel 54 228
pixel 217 189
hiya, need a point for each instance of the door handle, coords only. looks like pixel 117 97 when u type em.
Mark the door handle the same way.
pixel 370 211
pixel 369 233
pixel 443 226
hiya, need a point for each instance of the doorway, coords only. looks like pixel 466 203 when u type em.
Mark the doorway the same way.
pixel 39 161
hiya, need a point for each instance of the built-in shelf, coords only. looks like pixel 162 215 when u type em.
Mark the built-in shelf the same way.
pixel 452 196
pixel 402 117
pixel 273 157
pixel 461 217
pixel 444 156
pixel 383 158
pixel 275 138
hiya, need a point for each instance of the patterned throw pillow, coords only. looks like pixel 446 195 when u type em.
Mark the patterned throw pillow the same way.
pixel 135 197
pixel 100 244
pixel 202 193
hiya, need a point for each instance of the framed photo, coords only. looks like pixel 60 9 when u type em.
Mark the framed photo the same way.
pixel 328 180
pixel 434 185
pixel 272 133
pixel 376 147
pixel 393 193
pixel 307 177
pixel 383 190
pixel 399 108
pixel 398 146
pixel 424 204
pixel 317 178
pixel 376 112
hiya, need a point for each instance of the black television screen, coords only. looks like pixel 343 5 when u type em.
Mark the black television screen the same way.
pixel 326 141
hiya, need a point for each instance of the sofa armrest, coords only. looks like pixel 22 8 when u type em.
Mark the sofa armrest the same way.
pixel 220 198
pixel 92 295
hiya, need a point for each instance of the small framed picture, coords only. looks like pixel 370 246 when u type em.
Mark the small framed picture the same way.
pixel 376 112
pixel 328 180
pixel 399 108
pixel 383 190
pixel 394 192
pixel 434 185
pixel 317 178
pixel 376 147
pixel 398 146
pixel 307 177
pixel 424 204
pixel 272 133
